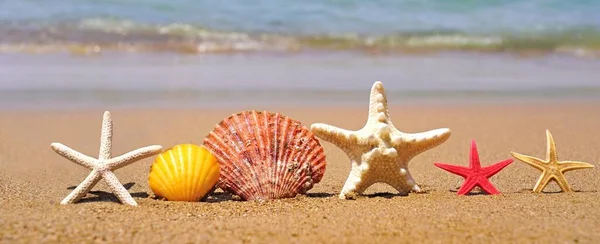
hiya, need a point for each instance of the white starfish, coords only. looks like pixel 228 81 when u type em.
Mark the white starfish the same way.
pixel 379 152
pixel 104 165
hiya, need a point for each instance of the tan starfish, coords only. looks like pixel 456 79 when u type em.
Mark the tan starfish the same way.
pixel 104 165
pixel 551 168
pixel 379 152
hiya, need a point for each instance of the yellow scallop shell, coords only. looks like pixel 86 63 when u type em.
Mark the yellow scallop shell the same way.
pixel 185 172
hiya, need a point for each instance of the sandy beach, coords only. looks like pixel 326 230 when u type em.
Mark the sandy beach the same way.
pixel 497 72
pixel 33 180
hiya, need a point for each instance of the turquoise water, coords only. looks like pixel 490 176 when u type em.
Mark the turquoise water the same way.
pixel 292 25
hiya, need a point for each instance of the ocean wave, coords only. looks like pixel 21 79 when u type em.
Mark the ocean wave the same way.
pixel 97 35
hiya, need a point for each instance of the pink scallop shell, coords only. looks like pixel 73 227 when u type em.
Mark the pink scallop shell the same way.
pixel 266 155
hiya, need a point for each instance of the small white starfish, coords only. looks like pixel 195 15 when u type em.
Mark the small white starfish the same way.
pixel 104 165
pixel 379 152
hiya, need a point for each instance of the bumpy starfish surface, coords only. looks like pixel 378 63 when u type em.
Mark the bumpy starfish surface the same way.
pixel 475 175
pixel 551 168
pixel 104 165
pixel 379 152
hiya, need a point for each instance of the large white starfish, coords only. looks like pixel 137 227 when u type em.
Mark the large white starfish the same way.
pixel 379 152
pixel 104 165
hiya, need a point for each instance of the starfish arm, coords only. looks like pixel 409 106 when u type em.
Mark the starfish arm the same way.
pixel 459 170
pixel 492 170
pixel 534 162
pixel 354 184
pixel 340 137
pixel 83 188
pixel 487 186
pixel 74 156
pixel 378 107
pixel 551 148
pixel 567 166
pixel 542 182
pixel 474 162
pixel 562 182
pixel 421 142
pixel 118 189
pixel 133 156
pixel 403 183
pixel 106 137
pixel 467 186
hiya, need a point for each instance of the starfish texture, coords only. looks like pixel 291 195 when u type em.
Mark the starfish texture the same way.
pixel 379 152
pixel 551 168
pixel 475 175
pixel 103 166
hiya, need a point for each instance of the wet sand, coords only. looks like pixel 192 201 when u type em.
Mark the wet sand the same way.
pixel 209 81
pixel 34 179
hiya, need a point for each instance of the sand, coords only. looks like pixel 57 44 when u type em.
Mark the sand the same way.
pixel 33 180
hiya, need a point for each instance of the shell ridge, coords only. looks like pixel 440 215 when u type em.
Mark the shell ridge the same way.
pixel 263 136
pixel 202 174
pixel 185 185
pixel 174 171
pixel 177 157
pixel 281 139
pixel 215 141
pixel 215 171
pixel 319 169
pixel 209 170
pixel 272 125
pixel 255 166
pixel 276 156
pixel 286 161
pixel 252 183
pixel 273 147
pixel 299 173
pixel 317 159
pixel 238 168
pixel 262 157
pixel 169 169
pixel 251 157
pixel 300 156
pixel 193 161
pixel 158 175
pixel 152 176
pixel 306 156
pixel 162 166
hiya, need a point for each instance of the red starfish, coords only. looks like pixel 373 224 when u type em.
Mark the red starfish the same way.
pixel 475 175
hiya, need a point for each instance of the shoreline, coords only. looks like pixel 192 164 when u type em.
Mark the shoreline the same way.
pixel 82 100
pixel 163 80
pixel 275 106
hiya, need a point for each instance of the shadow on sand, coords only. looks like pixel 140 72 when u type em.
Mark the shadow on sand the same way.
pixel 103 196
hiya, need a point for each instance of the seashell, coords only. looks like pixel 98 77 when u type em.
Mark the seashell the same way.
pixel 185 172
pixel 266 155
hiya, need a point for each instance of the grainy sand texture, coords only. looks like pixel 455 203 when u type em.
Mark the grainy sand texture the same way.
pixel 34 179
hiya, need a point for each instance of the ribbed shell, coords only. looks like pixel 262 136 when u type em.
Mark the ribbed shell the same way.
pixel 266 155
pixel 184 172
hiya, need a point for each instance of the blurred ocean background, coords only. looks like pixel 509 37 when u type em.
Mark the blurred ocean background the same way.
pixel 291 25
pixel 132 52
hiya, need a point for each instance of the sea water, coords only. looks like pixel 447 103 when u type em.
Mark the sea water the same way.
pixel 205 53
pixel 239 25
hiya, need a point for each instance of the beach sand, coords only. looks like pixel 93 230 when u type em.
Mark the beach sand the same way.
pixel 34 179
